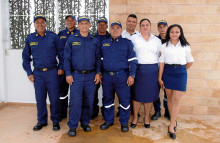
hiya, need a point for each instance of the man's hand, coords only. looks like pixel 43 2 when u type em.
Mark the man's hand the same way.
pixel 69 79
pixel 31 78
pixel 60 72
pixel 97 79
pixel 130 81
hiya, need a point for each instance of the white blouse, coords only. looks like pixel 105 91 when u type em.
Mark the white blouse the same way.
pixel 147 51
pixel 178 54
pixel 127 35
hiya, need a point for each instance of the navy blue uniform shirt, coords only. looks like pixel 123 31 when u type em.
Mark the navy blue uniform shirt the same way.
pixel 162 40
pixel 82 53
pixel 44 50
pixel 64 34
pixel 118 54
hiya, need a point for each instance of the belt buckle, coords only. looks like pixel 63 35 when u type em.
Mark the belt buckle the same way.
pixel 83 72
pixel 111 73
pixel 44 69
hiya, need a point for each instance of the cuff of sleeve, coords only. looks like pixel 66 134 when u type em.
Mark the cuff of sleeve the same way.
pixel 68 73
pixel 60 67
pixel 29 73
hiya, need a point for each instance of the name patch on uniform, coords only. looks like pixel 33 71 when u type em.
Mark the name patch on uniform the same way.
pixel 62 37
pixel 76 43
pixel 106 44
pixel 33 43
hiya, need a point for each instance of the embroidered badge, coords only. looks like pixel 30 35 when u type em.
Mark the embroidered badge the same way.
pixel 160 53
pixel 106 44
pixel 33 43
pixel 76 43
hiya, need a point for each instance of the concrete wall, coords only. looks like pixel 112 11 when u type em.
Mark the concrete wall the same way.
pixel 200 20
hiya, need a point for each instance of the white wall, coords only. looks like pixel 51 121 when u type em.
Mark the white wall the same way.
pixel 19 88
pixel 2 89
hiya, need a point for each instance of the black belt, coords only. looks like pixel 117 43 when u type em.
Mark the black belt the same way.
pixel 174 65
pixel 82 72
pixel 45 69
pixel 116 73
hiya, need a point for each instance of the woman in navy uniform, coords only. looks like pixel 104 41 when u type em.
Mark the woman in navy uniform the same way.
pixel 146 82
pixel 175 59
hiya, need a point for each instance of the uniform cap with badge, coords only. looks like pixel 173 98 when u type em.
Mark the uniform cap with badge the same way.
pixel 81 18
pixel 39 16
pixel 162 22
pixel 116 23
pixel 102 19
pixel 70 15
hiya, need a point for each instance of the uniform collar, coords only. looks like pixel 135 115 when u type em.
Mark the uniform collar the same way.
pixel 135 32
pixel 116 39
pixel 107 34
pixel 70 32
pixel 36 34
pixel 89 35
pixel 178 44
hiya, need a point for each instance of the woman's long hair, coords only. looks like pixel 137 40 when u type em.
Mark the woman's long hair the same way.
pixel 182 38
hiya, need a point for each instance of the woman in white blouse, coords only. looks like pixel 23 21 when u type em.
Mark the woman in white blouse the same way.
pixel 174 61
pixel 146 86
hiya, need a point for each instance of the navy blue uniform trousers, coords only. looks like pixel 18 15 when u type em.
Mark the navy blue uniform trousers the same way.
pixel 118 84
pixel 80 105
pixel 47 82
pixel 64 86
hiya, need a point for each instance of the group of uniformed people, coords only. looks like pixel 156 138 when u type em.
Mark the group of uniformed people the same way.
pixel 125 62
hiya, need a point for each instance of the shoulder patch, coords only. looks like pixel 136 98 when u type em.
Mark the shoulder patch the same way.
pixel 106 44
pixel 76 43
pixel 160 53
pixel 33 43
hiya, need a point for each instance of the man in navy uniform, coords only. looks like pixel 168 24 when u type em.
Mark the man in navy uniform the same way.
pixel 82 65
pixel 101 34
pixel 119 67
pixel 70 22
pixel 44 47
pixel 162 28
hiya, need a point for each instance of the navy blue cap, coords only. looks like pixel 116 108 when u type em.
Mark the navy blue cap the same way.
pixel 81 18
pixel 39 16
pixel 70 15
pixel 102 19
pixel 162 22
pixel 116 23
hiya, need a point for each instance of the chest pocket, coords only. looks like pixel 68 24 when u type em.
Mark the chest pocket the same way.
pixel 122 49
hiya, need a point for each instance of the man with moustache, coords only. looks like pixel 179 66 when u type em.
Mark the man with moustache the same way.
pixel 70 22
pixel 101 34
pixel 43 47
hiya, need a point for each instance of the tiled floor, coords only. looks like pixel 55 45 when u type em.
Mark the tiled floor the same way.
pixel 16 123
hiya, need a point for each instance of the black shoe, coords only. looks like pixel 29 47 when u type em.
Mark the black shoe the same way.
pixel 167 115
pixel 56 126
pixel 71 132
pixel 94 116
pixel 172 135
pixel 105 126
pixel 118 115
pixel 38 126
pixel 147 125
pixel 133 125
pixel 124 128
pixel 156 115
pixel 63 117
pixel 86 128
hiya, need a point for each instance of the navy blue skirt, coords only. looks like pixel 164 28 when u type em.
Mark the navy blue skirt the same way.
pixel 175 78
pixel 146 83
